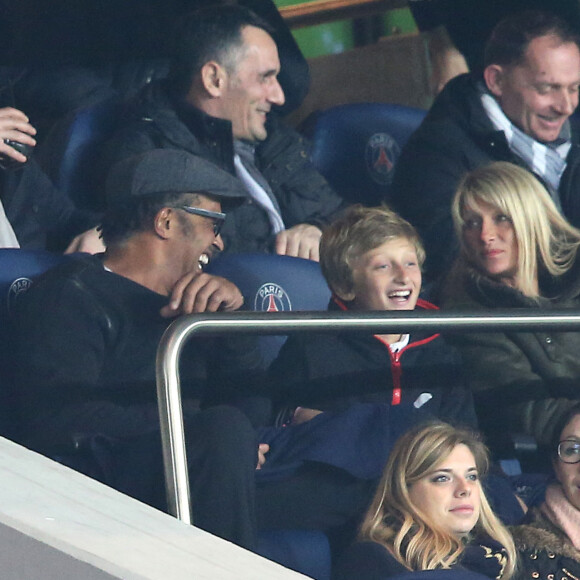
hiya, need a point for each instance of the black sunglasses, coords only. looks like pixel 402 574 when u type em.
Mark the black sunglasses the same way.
pixel 569 451
pixel 217 216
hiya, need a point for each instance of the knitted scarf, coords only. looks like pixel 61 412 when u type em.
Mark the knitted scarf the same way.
pixel 548 161
pixel 256 184
pixel 562 513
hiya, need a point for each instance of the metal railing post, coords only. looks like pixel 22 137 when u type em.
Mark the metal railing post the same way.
pixel 171 344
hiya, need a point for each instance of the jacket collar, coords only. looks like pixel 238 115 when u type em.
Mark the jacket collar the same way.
pixel 187 126
pixel 495 294
pixel 460 99
pixel 420 336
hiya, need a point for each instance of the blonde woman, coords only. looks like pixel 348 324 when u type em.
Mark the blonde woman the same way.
pixel 430 511
pixel 517 251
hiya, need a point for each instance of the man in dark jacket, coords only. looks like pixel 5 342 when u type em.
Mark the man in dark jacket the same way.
pixel 218 103
pixel 518 112
pixel 87 336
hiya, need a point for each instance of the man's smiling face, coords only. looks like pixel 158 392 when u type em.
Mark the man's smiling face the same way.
pixel 253 87
pixel 540 93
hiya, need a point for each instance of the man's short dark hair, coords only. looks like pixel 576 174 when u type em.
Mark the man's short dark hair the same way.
pixel 210 33
pixel 136 214
pixel 510 38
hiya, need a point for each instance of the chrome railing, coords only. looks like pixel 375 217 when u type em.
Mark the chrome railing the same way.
pixel 182 329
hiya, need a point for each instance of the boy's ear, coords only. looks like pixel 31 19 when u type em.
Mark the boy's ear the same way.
pixel 345 295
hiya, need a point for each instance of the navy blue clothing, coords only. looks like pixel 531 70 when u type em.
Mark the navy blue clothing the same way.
pixel 357 440
pixel 332 371
pixel 368 560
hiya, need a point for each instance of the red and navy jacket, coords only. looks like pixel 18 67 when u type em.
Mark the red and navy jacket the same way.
pixel 331 371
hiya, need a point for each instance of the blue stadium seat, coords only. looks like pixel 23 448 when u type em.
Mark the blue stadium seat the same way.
pixel 305 551
pixel 356 147
pixel 71 152
pixel 272 283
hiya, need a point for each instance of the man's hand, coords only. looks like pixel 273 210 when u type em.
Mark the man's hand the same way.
pixel 89 242
pixel 201 292
pixel 263 448
pixel 14 126
pixel 301 241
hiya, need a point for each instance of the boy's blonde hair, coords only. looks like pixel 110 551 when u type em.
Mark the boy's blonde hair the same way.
pixel 358 231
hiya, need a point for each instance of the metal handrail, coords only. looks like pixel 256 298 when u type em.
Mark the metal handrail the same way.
pixel 174 338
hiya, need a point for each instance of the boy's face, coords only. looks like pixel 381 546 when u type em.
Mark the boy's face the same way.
pixel 387 278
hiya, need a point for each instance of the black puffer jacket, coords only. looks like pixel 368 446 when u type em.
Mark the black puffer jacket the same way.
pixel 302 194
pixel 522 381
pixel 457 137
pixel 545 551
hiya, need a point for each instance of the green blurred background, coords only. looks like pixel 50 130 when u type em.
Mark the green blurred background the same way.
pixel 339 36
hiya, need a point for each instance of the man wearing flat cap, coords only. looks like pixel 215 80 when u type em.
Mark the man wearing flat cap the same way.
pixel 88 332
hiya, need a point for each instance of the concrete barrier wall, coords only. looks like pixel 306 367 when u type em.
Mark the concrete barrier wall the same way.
pixel 58 524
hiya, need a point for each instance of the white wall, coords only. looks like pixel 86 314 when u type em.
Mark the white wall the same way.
pixel 58 524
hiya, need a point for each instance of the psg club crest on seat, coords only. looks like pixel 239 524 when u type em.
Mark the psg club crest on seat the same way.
pixel 272 298
pixel 16 288
pixel 381 153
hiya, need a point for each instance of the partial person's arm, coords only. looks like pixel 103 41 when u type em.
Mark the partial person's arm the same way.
pixel 301 241
pixel 446 61
pixel 37 209
pixel 33 205
pixel 15 126
pixel 89 242
pixel 304 196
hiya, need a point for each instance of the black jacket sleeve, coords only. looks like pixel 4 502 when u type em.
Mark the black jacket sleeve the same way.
pixel 38 211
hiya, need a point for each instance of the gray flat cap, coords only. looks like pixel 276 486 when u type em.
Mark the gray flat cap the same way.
pixel 161 171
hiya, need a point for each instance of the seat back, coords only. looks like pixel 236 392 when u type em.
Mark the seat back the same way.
pixel 17 270
pixel 356 146
pixel 71 152
pixel 272 283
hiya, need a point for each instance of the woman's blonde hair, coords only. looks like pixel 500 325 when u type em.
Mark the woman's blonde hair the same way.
pixel 545 239
pixel 393 520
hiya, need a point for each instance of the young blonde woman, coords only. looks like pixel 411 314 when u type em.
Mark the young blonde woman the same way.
pixel 517 251
pixel 430 511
